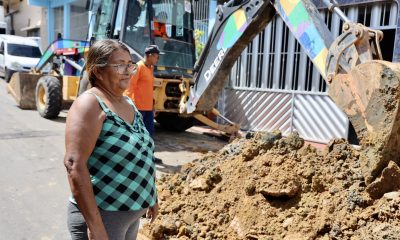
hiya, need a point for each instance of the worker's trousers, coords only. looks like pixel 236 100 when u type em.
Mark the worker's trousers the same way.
pixel 148 119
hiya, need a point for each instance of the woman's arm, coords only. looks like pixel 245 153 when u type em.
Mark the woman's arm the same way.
pixel 84 123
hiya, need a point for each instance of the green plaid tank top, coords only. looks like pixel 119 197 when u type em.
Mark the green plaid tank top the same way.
pixel 121 165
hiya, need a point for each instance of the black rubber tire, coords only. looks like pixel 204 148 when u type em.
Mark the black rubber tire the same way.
pixel 49 107
pixel 7 75
pixel 172 122
pixel 83 83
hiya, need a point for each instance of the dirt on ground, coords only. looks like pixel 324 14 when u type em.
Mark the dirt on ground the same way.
pixel 265 186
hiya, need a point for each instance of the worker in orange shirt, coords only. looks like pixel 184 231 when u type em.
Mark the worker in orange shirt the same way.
pixel 140 89
pixel 159 25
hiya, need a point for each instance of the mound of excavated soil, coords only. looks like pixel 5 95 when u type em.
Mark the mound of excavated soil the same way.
pixel 269 187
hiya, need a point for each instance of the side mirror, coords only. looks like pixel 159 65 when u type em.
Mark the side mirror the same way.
pixel 2 51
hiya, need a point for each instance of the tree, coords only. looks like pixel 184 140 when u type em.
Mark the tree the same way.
pixel 199 45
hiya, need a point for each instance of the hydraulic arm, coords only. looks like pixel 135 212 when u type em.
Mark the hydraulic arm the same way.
pixel 236 26
pixel 62 47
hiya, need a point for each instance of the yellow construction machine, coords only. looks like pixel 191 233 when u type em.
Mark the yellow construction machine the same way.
pixel 56 89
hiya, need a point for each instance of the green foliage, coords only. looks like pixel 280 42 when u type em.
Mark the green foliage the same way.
pixel 199 45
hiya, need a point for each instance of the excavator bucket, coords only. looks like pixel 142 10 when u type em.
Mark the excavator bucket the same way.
pixel 369 95
pixel 22 87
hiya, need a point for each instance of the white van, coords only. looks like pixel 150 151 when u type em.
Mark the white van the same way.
pixel 17 54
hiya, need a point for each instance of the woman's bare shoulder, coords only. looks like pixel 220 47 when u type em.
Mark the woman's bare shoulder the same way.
pixel 86 106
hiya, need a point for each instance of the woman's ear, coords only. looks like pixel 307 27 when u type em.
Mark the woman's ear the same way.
pixel 97 74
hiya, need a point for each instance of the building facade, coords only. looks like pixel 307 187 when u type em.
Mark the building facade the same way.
pixel 22 19
pixel 66 18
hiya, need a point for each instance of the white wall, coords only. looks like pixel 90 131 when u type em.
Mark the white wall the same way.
pixel 26 16
pixel 1 13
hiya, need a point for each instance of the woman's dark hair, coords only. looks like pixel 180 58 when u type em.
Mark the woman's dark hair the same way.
pixel 99 53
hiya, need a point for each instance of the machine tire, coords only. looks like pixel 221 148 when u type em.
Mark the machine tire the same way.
pixel 48 97
pixel 172 122
pixel 7 75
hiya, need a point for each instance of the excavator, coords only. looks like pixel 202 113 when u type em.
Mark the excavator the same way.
pixel 361 83
pixel 363 86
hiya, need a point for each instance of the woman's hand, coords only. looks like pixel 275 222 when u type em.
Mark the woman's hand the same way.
pixel 152 213
pixel 102 235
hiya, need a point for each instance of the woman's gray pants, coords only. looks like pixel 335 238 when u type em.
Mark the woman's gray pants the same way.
pixel 120 225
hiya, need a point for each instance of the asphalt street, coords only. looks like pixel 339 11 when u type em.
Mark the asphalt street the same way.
pixel 35 190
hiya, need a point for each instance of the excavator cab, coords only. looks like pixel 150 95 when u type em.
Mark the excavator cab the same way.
pixel 170 26
pixel 140 23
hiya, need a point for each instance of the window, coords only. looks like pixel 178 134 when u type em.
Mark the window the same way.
pixel 170 27
pixel 118 20
pixel 78 26
pixel 23 50
pixel 58 20
pixel 137 30
pixel 176 39
pixel 103 20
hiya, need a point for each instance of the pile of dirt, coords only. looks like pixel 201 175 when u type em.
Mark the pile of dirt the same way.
pixel 269 187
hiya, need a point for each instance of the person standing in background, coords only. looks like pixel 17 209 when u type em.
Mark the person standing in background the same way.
pixel 140 89
pixel 160 28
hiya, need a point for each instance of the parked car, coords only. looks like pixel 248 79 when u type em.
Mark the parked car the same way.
pixel 17 54
pixel 37 39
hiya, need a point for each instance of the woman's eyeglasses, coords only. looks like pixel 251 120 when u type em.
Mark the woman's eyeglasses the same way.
pixel 121 68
